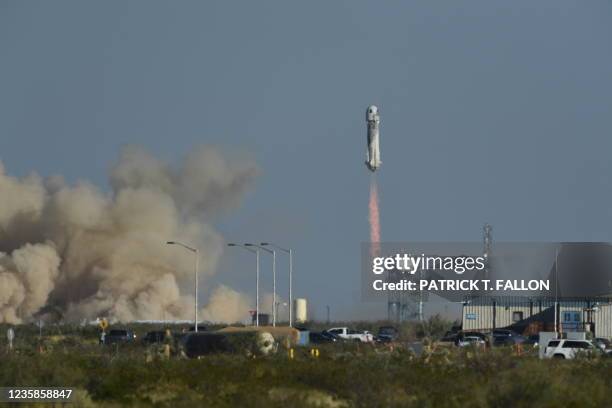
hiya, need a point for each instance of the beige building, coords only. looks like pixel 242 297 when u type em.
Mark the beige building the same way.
pixel 531 315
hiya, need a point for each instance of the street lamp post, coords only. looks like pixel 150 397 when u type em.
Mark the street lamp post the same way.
pixel 290 252
pixel 256 252
pixel 197 258
pixel 270 251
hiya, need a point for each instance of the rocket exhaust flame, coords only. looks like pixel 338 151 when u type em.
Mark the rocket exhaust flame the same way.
pixel 374 219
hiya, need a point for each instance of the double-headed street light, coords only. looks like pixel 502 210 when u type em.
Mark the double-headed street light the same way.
pixel 256 252
pixel 270 251
pixel 197 257
pixel 290 252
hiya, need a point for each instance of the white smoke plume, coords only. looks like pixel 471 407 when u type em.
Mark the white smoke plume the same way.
pixel 226 305
pixel 83 252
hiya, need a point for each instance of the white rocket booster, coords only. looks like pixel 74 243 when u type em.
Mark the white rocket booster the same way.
pixel 373 152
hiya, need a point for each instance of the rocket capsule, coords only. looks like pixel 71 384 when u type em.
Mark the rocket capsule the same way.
pixel 373 151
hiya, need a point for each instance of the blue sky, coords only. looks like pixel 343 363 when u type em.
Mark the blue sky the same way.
pixel 492 111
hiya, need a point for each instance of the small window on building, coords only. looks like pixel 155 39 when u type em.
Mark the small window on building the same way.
pixel 517 316
pixel 572 316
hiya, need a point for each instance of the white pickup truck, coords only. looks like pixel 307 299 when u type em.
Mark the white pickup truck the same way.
pixel 350 334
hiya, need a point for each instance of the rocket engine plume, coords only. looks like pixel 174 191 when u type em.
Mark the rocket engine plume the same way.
pixel 374 219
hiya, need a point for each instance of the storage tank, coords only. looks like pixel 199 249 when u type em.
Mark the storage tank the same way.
pixel 300 306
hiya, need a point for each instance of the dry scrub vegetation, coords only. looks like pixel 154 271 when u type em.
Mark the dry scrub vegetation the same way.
pixel 350 375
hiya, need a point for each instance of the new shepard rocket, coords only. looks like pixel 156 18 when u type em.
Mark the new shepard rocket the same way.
pixel 373 152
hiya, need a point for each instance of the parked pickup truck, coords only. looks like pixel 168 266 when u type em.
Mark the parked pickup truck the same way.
pixel 350 334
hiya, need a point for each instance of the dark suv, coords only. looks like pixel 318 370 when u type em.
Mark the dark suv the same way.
pixel 503 337
pixel 119 336
pixel 387 334
pixel 320 338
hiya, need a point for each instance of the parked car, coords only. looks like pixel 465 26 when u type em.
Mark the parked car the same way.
pixel 322 338
pixel 532 340
pixel 603 344
pixel 350 334
pixel 568 349
pixel 462 339
pixel 333 335
pixel 387 334
pixel 502 337
pixel 467 341
pixel 119 336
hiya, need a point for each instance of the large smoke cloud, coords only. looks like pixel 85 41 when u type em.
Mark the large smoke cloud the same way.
pixel 85 253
